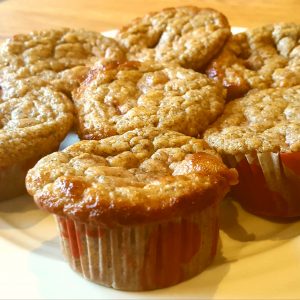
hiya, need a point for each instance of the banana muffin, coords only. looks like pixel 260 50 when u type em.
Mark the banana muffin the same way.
pixel 35 69
pixel 188 36
pixel 56 57
pixel 30 127
pixel 115 98
pixel 260 58
pixel 259 135
pixel 136 211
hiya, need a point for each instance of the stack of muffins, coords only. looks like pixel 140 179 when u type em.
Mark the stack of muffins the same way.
pixel 157 109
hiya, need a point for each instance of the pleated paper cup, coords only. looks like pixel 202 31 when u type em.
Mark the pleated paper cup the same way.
pixel 269 183
pixel 142 257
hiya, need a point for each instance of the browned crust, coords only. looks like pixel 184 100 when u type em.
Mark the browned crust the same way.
pixel 260 58
pixel 37 71
pixel 234 52
pixel 194 9
pixel 191 177
pixel 133 214
pixel 56 57
pixel 262 121
pixel 33 125
pixel 145 33
pixel 117 97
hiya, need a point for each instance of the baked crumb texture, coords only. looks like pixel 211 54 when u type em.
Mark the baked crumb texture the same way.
pixel 259 135
pixel 142 176
pixel 59 58
pixel 188 36
pixel 33 124
pixel 38 72
pixel 116 98
pixel 261 58
pixel 263 121
pixel 138 211
pixel 30 127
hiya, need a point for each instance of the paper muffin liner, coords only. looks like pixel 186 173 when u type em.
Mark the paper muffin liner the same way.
pixel 142 257
pixel 269 183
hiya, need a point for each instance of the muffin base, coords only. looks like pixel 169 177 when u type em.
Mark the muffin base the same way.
pixel 12 179
pixel 142 257
pixel 269 183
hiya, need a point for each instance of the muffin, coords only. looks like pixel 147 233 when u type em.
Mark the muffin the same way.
pixel 30 127
pixel 137 211
pixel 187 36
pixel 119 97
pixel 259 135
pixel 260 58
pixel 56 57
pixel 37 71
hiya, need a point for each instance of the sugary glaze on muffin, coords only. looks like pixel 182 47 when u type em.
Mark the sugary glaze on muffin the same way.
pixel 261 58
pixel 262 121
pixel 141 176
pixel 188 36
pixel 116 98
pixel 33 125
pixel 56 57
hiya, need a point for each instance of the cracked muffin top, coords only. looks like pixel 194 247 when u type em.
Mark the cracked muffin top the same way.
pixel 56 57
pixel 33 125
pixel 261 58
pixel 116 98
pixel 262 121
pixel 141 176
pixel 188 36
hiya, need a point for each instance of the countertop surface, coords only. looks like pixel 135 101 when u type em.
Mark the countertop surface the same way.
pixel 18 16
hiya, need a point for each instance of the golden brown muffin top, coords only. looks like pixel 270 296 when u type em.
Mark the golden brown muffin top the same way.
pixel 141 176
pixel 56 57
pixel 33 125
pixel 261 58
pixel 34 69
pixel 262 121
pixel 188 36
pixel 116 98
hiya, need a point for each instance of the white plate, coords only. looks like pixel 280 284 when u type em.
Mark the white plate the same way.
pixel 257 259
